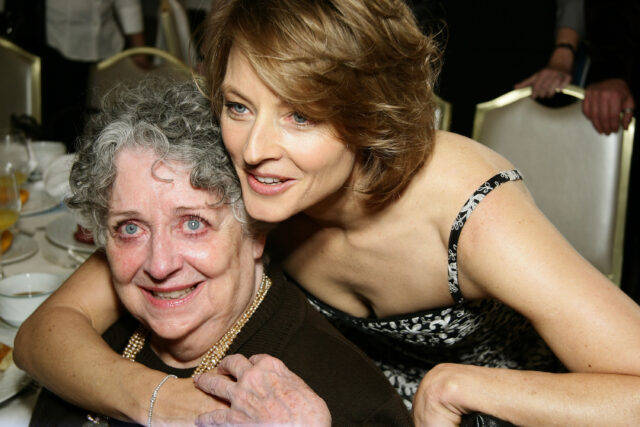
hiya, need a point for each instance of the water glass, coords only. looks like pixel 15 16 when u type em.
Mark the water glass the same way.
pixel 15 150
pixel 9 201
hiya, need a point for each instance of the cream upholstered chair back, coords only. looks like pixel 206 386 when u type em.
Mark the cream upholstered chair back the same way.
pixel 578 177
pixel 443 114
pixel 20 90
pixel 120 69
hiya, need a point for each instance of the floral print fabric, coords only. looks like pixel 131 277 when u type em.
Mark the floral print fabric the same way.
pixel 483 332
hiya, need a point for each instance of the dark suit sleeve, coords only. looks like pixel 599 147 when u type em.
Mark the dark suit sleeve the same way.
pixel 613 34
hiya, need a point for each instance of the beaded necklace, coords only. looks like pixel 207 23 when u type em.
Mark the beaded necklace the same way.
pixel 213 356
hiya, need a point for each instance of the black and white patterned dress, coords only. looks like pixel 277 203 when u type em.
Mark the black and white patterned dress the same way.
pixel 483 332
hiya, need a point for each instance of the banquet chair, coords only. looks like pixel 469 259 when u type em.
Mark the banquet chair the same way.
pixel 120 69
pixel 443 114
pixel 174 32
pixel 20 87
pixel 578 177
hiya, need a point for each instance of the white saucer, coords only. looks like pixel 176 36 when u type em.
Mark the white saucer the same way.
pixel 39 201
pixel 21 248
pixel 60 232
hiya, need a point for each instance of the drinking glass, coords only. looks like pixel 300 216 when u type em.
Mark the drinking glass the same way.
pixel 15 149
pixel 9 201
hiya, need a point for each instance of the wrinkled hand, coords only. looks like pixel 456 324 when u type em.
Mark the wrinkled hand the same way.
pixel 261 390
pixel 546 82
pixel 608 104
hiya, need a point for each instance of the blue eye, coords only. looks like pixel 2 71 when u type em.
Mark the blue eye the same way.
pixel 299 118
pixel 236 108
pixel 130 229
pixel 193 224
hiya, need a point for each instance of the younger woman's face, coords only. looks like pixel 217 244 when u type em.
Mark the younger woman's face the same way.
pixel 286 163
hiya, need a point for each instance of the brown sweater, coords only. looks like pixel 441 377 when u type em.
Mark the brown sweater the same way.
pixel 284 326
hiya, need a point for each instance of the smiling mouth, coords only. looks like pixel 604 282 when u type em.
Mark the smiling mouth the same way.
pixel 268 180
pixel 171 295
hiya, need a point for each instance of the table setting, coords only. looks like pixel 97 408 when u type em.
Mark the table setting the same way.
pixel 40 249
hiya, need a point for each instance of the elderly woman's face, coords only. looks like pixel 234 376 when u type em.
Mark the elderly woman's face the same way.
pixel 179 265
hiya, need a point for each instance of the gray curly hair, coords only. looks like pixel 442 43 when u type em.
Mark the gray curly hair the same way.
pixel 175 121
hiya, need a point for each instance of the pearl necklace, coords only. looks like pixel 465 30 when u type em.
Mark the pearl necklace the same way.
pixel 213 356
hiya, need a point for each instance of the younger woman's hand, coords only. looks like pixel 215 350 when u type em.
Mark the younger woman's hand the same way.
pixel 434 404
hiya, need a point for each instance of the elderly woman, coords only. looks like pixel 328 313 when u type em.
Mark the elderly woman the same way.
pixel 153 183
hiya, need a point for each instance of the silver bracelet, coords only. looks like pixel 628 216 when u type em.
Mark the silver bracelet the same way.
pixel 154 396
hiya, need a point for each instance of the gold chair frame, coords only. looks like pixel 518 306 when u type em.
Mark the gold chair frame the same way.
pixel 102 79
pixel 144 50
pixel 623 177
pixel 36 85
pixel 168 26
pixel 174 24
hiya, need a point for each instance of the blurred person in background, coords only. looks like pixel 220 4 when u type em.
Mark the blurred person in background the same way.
pixel 613 90
pixel 80 33
pixel 560 70
pixel 492 47
pixel 70 36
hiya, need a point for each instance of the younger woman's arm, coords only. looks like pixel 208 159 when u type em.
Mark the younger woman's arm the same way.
pixel 509 251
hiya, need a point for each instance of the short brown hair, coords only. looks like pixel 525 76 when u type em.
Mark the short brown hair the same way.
pixel 362 65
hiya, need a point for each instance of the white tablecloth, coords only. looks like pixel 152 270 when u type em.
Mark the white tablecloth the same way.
pixel 16 411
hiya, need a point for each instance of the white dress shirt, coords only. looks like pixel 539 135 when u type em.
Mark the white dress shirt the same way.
pixel 87 30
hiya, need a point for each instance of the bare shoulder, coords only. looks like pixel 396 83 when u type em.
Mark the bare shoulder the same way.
pixel 507 240
pixel 509 251
pixel 464 161
pixel 456 168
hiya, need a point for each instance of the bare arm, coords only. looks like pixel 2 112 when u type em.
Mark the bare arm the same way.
pixel 509 251
pixel 557 74
pixel 527 397
pixel 61 347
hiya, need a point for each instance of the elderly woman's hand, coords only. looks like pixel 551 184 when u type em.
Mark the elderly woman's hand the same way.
pixel 261 390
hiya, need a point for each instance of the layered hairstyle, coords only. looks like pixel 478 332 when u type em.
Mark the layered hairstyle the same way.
pixel 174 120
pixel 364 66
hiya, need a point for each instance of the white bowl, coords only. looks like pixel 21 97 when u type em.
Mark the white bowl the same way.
pixel 21 294
pixel 47 151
